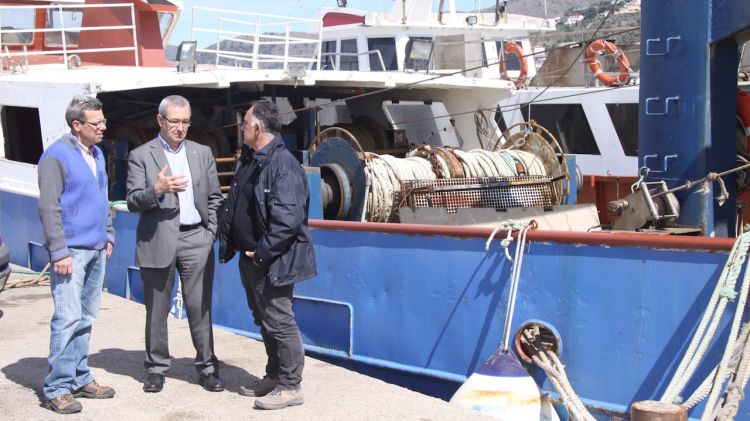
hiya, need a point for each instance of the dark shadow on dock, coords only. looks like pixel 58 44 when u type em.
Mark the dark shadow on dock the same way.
pixel 28 372
pixel 130 363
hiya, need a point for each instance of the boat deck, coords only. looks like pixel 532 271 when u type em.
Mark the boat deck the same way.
pixel 116 359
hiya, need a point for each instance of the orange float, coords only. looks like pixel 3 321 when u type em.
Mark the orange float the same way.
pixel 601 46
pixel 511 47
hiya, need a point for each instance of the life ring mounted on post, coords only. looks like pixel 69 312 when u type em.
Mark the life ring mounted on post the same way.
pixel 510 47
pixel 601 46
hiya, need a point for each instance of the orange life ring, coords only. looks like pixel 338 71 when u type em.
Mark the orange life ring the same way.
pixel 596 48
pixel 511 47
pixel 743 113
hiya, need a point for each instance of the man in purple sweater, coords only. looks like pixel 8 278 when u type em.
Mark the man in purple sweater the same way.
pixel 74 210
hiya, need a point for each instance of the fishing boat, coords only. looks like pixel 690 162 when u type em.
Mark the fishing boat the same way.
pixel 437 256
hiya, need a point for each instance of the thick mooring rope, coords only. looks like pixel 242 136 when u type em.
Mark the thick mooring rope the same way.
pixel 385 172
pixel 723 293
pixel 548 361
pixel 23 277
pixel 740 373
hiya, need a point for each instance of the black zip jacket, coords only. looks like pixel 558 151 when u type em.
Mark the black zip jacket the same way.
pixel 276 211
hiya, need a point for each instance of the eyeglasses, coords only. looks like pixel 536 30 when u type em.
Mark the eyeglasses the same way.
pixel 95 124
pixel 176 122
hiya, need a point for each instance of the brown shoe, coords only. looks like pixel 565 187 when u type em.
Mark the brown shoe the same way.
pixel 279 398
pixel 260 388
pixel 64 404
pixel 94 390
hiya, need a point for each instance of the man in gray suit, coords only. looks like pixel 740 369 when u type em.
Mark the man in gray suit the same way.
pixel 173 183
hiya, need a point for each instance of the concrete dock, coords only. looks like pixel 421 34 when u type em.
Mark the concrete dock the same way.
pixel 116 359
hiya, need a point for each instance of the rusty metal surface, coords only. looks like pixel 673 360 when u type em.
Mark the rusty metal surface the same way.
pixel 657 411
pixel 600 238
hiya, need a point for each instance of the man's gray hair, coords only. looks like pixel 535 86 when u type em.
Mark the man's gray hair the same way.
pixel 172 101
pixel 267 113
pixel 78 106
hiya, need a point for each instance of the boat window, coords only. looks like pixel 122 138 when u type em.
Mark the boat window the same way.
pixel 423 123
pixel 449 52
pixel 14 20
pixel 387 48
pixel 328 56
pixel 500 119
pixel 165 24
pixel 349 62
pixel 22 134
pixel 511 61
pixel 70 20
pixel 568 123
pixel 625 119
pixel 418 53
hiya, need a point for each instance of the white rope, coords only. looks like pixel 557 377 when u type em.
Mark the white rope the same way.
pixel 545 359
pixel 712 405
pixel 736 387
pixel 704 389
pixel 385 173
pixel 723 292
pixel 515 276
pixel 533 163
pixel 548 361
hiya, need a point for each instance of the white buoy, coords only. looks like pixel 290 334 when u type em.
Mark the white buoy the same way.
pixel 502 388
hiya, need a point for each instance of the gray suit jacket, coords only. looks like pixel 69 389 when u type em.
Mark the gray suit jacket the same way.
pixel 159 222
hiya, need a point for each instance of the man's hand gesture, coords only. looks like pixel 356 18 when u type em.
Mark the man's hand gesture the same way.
pixel 169 183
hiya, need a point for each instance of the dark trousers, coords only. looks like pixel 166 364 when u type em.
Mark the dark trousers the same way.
pixel 272 311
pixel 195 264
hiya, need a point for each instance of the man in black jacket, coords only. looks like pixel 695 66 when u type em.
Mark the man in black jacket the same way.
pixel 265 218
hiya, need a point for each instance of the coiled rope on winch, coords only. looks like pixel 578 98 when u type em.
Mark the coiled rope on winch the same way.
pixel 385 172
pixel 722 294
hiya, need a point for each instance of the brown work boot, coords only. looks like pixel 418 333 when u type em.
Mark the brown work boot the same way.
pixel 94 390
pixel 280 397
pixel 64 404
pixel 260 388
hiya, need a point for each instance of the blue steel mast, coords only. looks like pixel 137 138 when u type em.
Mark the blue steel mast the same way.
pixel 687 104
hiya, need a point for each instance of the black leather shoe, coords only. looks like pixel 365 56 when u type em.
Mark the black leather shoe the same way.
pixel 154 383
pixel 211 382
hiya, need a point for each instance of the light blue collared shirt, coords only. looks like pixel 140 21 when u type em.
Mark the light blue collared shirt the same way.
pixel 178 163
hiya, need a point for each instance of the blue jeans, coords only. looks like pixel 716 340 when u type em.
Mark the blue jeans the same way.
pixel 76 298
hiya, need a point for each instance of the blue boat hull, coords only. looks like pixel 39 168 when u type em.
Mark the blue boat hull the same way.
pixel 434 305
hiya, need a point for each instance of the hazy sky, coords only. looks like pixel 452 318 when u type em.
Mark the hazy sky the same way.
pixel 296 8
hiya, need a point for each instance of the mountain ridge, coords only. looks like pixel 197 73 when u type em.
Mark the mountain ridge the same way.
pixel 554 8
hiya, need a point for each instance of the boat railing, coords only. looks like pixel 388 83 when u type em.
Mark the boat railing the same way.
pixel 69 53
pixel 257 40
pixel 225 177
pixel 333 62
